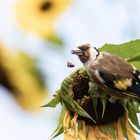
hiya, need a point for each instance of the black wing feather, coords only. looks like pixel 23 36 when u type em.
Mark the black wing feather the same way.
pixel 109 78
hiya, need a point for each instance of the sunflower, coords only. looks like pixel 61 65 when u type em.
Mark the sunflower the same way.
pixel 39 16
pixel 87 113
pixel 21 76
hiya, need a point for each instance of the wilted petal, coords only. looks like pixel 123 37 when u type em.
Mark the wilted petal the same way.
pixel 129 131
pixel 66 122
pixel 74 129
pixel 82 131
pixel 91 134
pixel 119 131
pixel 102 136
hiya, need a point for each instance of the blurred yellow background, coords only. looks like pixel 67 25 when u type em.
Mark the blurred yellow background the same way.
pixel 46 31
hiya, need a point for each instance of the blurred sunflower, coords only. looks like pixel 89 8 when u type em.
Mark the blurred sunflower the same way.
pixel 20 75
pixel 86 116
pixel 40 16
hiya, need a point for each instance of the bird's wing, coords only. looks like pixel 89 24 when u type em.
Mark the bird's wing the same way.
pixel 129 85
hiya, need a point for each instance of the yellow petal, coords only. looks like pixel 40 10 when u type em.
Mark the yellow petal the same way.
pixel 33 18
pixel 26 87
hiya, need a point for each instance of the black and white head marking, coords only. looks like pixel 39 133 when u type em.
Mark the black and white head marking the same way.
pixel 86 53
pixel 94 53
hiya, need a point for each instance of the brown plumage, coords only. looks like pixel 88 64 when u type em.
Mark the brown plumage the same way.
pixel 110 72
pixel 111 66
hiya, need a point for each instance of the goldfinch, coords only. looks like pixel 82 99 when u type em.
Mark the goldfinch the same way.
pixel 111 73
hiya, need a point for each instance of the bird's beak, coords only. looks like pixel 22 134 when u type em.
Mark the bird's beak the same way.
pixel 76 52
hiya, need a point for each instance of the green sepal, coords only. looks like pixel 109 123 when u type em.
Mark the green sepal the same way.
pixel 67 96
pixel 124 103
pixel 123 126
pixel 93 94
pixel 104 101
pixel 82 112
pixel 95 104
pixel 134 105
pixel 135 57
pixel 59 129
pixel 93 88
pixel 108 129
pixel 75 107
pixel 54 101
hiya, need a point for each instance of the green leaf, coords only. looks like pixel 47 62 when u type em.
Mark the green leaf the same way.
pixel 129 51
pixel 54 101
pixel 133 117
pixel 135 57
pixel 59 129
pixel 136 64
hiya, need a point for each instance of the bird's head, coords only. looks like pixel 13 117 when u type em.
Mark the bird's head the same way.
pixel 86 53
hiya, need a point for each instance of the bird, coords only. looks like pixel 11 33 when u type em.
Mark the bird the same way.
pixel 110 72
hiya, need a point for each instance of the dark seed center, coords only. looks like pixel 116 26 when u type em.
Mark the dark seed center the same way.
pixel 81 90
pixel 45 6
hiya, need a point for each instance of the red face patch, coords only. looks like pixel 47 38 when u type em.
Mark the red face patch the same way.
pixel 87 55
